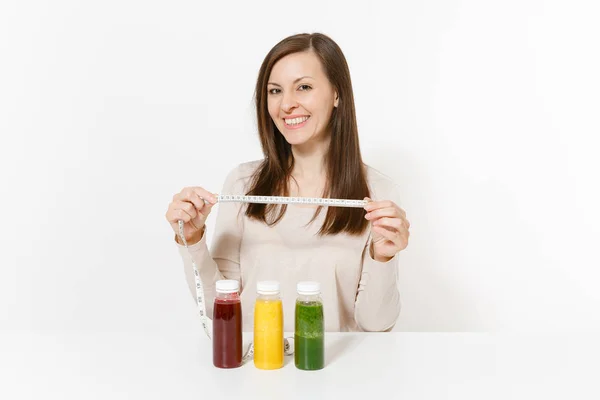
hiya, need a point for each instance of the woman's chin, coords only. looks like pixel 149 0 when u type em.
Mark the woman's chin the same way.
pixel 295 139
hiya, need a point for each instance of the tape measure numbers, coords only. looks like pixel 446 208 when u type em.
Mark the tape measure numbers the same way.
pixel 228 198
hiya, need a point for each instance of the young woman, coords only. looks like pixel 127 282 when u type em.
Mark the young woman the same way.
pixel 309 136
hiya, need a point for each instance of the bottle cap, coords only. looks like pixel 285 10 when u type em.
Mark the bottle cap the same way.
pixel 308 288
pixel 267 287
pixel 228 286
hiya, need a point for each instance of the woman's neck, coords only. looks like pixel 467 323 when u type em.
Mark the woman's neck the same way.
pixel 309 160
pixel 309 173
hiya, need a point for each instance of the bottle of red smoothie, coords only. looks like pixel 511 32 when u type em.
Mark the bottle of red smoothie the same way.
pixel 227 325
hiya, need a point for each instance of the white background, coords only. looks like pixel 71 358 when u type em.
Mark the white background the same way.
pixel 485 114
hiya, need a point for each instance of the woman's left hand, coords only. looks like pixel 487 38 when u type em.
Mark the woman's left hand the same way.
pixel 389 229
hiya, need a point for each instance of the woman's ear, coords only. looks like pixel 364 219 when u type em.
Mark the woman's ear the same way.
pixel 336 101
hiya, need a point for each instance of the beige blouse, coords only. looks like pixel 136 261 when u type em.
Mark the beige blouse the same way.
pixel 359 293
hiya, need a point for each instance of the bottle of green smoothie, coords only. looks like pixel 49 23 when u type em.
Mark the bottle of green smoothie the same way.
pixel 309 349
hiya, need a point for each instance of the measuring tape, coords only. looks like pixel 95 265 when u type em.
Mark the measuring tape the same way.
pixel 227 198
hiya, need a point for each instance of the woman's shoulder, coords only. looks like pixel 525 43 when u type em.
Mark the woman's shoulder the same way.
pixel 239 177
pixel 246 169
pixel 382 186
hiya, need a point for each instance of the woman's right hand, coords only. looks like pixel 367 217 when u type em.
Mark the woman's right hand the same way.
pixel 189 206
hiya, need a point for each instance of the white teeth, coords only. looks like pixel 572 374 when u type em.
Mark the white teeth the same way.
pixel 295 121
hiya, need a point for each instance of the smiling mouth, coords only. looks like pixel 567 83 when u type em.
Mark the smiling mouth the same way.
pixel 295 122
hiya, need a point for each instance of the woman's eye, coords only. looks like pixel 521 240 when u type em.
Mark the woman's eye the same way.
pixel 304 87
pixel 273 91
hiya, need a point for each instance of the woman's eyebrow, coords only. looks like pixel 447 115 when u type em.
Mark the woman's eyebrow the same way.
pixel 295 81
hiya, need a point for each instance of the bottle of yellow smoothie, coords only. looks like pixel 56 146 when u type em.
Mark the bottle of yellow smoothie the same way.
pixel 268 326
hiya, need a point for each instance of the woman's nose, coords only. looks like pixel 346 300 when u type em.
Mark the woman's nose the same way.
pixel 288 103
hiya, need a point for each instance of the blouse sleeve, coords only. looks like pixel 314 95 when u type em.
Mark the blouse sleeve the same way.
pixel 378 304
pixel 223 260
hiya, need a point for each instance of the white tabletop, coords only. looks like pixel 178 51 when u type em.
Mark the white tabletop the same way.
pixel 394 365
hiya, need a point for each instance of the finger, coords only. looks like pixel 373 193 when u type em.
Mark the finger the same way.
pixel 395 223
pixel 389 235
pixel 369 201
pixel 402 242
pixel 388 228
pixel 189 193
pixel 398 240
pixel 178 215
pixel 189 208
pixel 382 212
pixel 171 214
pixel 373 205
pixel 175 214
pixel 205 194
pixel 183 211
pixel 205 211
pixel 196 200
pixel 199 203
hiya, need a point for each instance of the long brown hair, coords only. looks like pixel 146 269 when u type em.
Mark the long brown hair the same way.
pixel 346 176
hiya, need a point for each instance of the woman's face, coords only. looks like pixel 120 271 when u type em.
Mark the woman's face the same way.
pixel 300 98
